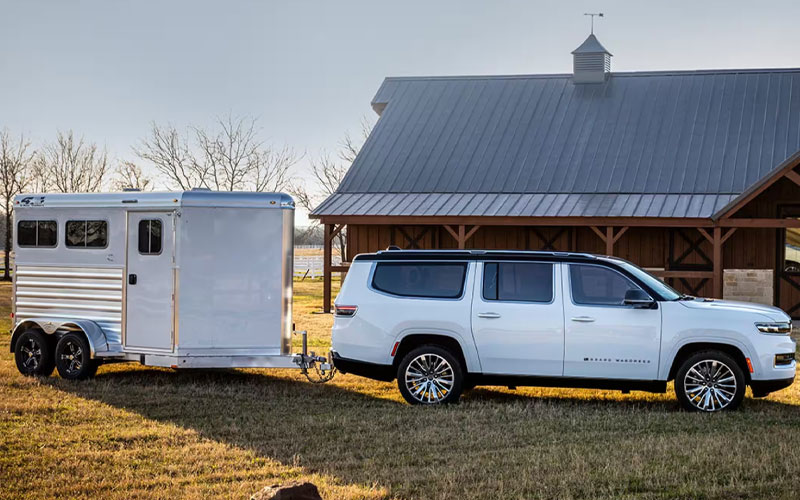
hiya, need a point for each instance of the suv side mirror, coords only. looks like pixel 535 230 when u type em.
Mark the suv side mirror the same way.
pixel 638 298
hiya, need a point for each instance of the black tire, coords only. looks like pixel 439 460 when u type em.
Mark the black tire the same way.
pixel 33 352
pixel 73 357
pixel 430 375
pixel 710 381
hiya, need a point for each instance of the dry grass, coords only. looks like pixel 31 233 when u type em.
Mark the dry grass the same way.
pixel 138 432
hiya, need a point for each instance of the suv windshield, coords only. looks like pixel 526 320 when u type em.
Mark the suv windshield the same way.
pixel 665 291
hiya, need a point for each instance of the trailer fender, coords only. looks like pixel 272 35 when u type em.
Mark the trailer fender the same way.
pixel 94 334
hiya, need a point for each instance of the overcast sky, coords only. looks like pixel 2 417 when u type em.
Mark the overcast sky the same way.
pixel 308 69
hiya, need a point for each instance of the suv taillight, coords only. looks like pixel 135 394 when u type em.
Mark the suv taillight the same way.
pixel 345 311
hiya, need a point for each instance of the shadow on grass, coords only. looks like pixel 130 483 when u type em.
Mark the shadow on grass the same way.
pixel 359 438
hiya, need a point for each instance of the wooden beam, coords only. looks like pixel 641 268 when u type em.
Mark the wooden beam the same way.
pixel 598 233
pixel 609 240
pixel 337 230
pixel 793 176
pixel 683 274
pixel 717 259
pixel 461 239
pixel 340 269
pixel 326 268
pixel 620 233
pixel 705 234
pixel 451 231
pixel 728 234
pixel 760 223
pixel 470 233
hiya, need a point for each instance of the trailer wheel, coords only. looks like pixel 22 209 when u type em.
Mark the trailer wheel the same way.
pixel 33 353
pixel 430 375
pixel 73 358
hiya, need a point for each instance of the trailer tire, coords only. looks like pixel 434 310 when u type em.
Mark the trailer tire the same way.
pixel 430 375
pixel 73 357
pixel 33 352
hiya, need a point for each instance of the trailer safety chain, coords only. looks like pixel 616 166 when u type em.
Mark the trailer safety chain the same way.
pixel 323 371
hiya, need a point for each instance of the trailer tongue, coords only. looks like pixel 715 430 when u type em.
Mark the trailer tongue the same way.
pixel 193 279
pixel 317 369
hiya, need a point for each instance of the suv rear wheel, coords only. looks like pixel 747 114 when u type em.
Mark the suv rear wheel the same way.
pixel 710 381
pixel 429 375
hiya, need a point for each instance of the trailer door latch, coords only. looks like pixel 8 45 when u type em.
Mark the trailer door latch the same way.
pixel 131 279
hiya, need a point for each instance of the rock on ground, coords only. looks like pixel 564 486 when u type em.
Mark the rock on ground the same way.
pixel 290 491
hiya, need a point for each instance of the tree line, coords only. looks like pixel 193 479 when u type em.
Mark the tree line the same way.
pixel 226 156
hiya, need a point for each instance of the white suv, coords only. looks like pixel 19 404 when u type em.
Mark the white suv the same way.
pixel 444 321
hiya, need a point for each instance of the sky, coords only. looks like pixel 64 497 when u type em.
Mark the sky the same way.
pixel 307 70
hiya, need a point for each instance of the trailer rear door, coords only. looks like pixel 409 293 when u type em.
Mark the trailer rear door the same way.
pixel 150 282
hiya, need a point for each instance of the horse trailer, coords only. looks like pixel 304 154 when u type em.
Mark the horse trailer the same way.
pixel 193 279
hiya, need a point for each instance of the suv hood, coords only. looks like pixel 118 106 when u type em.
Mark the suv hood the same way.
pixel 769 312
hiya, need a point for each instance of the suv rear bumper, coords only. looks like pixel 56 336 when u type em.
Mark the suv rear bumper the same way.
pixel 762 388
pixel 375 371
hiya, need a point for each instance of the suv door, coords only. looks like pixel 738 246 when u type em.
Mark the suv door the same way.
pixel 517 318
pixel 605 338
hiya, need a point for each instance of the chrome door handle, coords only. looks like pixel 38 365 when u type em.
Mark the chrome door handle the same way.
pixel 488 315
pixel 583 319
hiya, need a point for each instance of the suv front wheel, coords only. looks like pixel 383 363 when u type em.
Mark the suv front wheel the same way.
pixel 430 375
pixel 710 381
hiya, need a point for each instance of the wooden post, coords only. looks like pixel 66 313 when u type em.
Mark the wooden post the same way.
pixel 718 264
pixel 326 267
pixel 609 240
pixel 462 239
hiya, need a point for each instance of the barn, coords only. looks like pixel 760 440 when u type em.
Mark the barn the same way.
pixel 689 174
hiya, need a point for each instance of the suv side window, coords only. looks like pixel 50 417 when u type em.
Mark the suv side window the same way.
pixel 518 281
pixel 441 280
pixel 598 286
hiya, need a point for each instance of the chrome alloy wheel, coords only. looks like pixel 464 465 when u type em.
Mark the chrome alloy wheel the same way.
pixel 32 353
pixel 72 357
pixel 429 378
pixel 710 385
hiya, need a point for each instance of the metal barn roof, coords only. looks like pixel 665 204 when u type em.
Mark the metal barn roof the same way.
pixel 653 144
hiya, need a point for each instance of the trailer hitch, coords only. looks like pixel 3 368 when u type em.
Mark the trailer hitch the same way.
pixel 317 369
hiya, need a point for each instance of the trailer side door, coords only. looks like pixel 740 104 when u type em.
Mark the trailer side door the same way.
pixel 149 283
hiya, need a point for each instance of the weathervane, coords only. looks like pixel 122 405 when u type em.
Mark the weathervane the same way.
pixel 592 14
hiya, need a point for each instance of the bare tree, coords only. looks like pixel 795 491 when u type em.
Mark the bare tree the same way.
pixel 327 173
pixel 128 175
pixel 70 165
pixel 15 162
pixel 229 157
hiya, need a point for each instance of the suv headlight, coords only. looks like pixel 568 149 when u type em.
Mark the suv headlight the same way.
pixel 775 328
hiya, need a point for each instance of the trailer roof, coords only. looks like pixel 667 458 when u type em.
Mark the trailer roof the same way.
pixel 139 199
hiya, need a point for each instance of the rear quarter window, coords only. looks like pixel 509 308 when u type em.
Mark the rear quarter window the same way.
pixel 440 280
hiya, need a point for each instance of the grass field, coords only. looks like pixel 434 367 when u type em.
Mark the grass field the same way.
pixel 138 432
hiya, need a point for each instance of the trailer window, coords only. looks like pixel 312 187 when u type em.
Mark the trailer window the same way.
pixel 441 280
pixel 150 236
pixel 37 233
pixel 518 281
pixel 87 234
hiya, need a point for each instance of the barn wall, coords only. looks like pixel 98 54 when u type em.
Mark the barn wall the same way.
pixel 645 246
